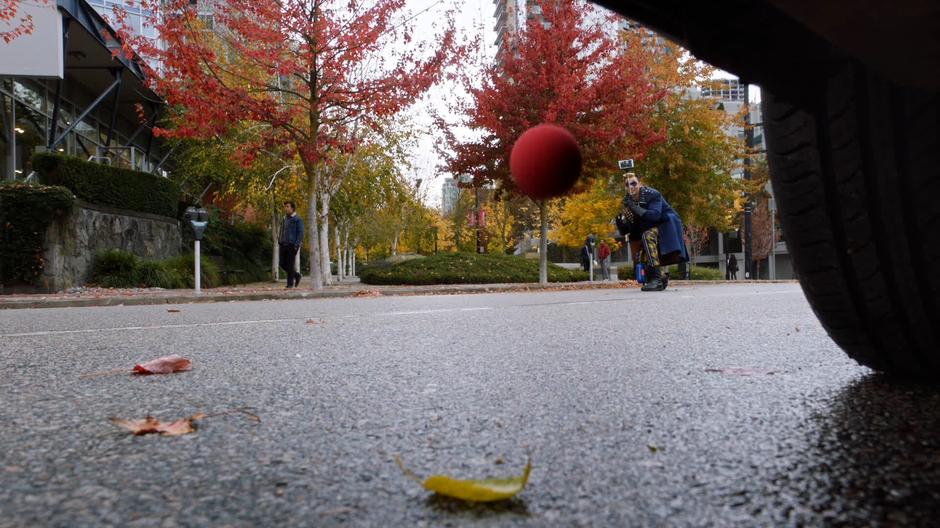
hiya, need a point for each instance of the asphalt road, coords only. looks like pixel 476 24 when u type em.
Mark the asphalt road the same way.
pixel 715 405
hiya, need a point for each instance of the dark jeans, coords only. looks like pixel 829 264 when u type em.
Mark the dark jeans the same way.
pixel 288 254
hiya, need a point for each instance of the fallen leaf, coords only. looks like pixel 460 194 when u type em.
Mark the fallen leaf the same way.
pixel 482 490
pixel 797 328
pixel 172 310
pixel 151 425
pixel 314 321
pixel 164 365
pixel 368 293
pixel 652 448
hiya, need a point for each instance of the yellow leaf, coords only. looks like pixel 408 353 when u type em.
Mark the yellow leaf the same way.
pixel 483 490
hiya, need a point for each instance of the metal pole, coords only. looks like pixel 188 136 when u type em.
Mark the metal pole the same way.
pixel 773 239
pixel 748 233
pixel 198 270
pixel 543 242
pixel 591 257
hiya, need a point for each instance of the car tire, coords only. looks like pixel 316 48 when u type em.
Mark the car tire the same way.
pixel 856 174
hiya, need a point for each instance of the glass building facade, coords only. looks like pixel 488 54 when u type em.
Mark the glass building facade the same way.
pixel 27 106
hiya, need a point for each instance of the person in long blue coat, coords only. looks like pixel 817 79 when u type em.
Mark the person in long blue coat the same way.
pixel 655 230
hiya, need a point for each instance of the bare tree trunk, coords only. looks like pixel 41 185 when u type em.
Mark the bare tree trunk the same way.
pixel 275 254
pixel 543 243
pixel 353 259
pixel 316 278
pixel 395 242
pixel 347 254
pixel 340 272
pixel 325 239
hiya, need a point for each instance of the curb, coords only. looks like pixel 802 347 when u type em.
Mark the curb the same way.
pixel 273 295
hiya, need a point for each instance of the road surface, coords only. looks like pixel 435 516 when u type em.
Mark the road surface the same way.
pixel 711 405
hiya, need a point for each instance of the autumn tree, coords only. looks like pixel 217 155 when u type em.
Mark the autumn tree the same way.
pixel 565 71
pixel 15 21
pixel 588 212
pixel 764 234
pixel 692 167
pixel 308 74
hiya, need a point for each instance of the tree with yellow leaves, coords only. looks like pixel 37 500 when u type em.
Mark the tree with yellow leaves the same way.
pixel 590 212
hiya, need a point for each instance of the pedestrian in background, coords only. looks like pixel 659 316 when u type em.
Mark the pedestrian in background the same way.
pixel 603 253
pixel 733 267
pixel 586 256
pixel 292 236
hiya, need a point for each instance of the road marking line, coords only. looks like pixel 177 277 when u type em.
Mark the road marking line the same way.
pixel 438 310
pixel 152 327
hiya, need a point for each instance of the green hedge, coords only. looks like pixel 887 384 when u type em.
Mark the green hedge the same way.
pixel 697 273
pixel 120 269
pixel 466 268
pixel 25 213
pixel 111 186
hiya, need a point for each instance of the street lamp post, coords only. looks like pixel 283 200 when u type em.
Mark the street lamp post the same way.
pixel 199 219
pixel 592 255
pixel 749 204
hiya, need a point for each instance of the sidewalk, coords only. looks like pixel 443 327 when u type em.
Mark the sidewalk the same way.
pixel 81 297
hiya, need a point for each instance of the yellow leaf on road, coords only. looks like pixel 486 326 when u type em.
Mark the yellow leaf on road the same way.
pixel 482 490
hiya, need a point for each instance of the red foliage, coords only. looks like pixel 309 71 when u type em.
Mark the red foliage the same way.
pixel 563 72
pixel 9 11
pixel 300 70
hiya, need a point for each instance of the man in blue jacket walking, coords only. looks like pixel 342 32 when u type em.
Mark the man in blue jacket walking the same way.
pixel 292 236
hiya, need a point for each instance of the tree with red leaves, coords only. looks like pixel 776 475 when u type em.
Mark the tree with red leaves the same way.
pixel 303 75
pixel 561 70
pixel 14 22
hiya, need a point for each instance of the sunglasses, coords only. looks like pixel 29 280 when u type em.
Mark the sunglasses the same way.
pixel 633 184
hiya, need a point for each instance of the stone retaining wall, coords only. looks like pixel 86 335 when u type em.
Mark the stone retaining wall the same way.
pixel 73 242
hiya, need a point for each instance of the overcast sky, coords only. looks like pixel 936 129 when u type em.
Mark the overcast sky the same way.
pixel 473 18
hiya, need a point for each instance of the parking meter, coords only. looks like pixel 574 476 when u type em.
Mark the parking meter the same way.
pixel 199 219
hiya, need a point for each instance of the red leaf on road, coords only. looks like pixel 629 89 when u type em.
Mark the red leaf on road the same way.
pixel 164 365
pixel 151 425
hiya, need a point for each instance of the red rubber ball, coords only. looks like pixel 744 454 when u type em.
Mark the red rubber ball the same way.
pixel 545 162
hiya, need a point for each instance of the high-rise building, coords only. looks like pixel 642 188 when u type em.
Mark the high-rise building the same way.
pixel 450 193
pixel 648 37
pixel 507 23
pixel 138 19
pixel 727 90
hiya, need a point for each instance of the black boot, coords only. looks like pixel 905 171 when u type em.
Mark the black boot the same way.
pixel 655 282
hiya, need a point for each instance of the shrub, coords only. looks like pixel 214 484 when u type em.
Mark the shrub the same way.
pixel 156 274
pixel 697 273
pixel 184 265
pixel 119 269
pixel 26 211
pixel 465 268
pixel 241 250
pixel 116 268
pixel 111 186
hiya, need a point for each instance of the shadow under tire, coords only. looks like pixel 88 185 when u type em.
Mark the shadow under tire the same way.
pixel 856 175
